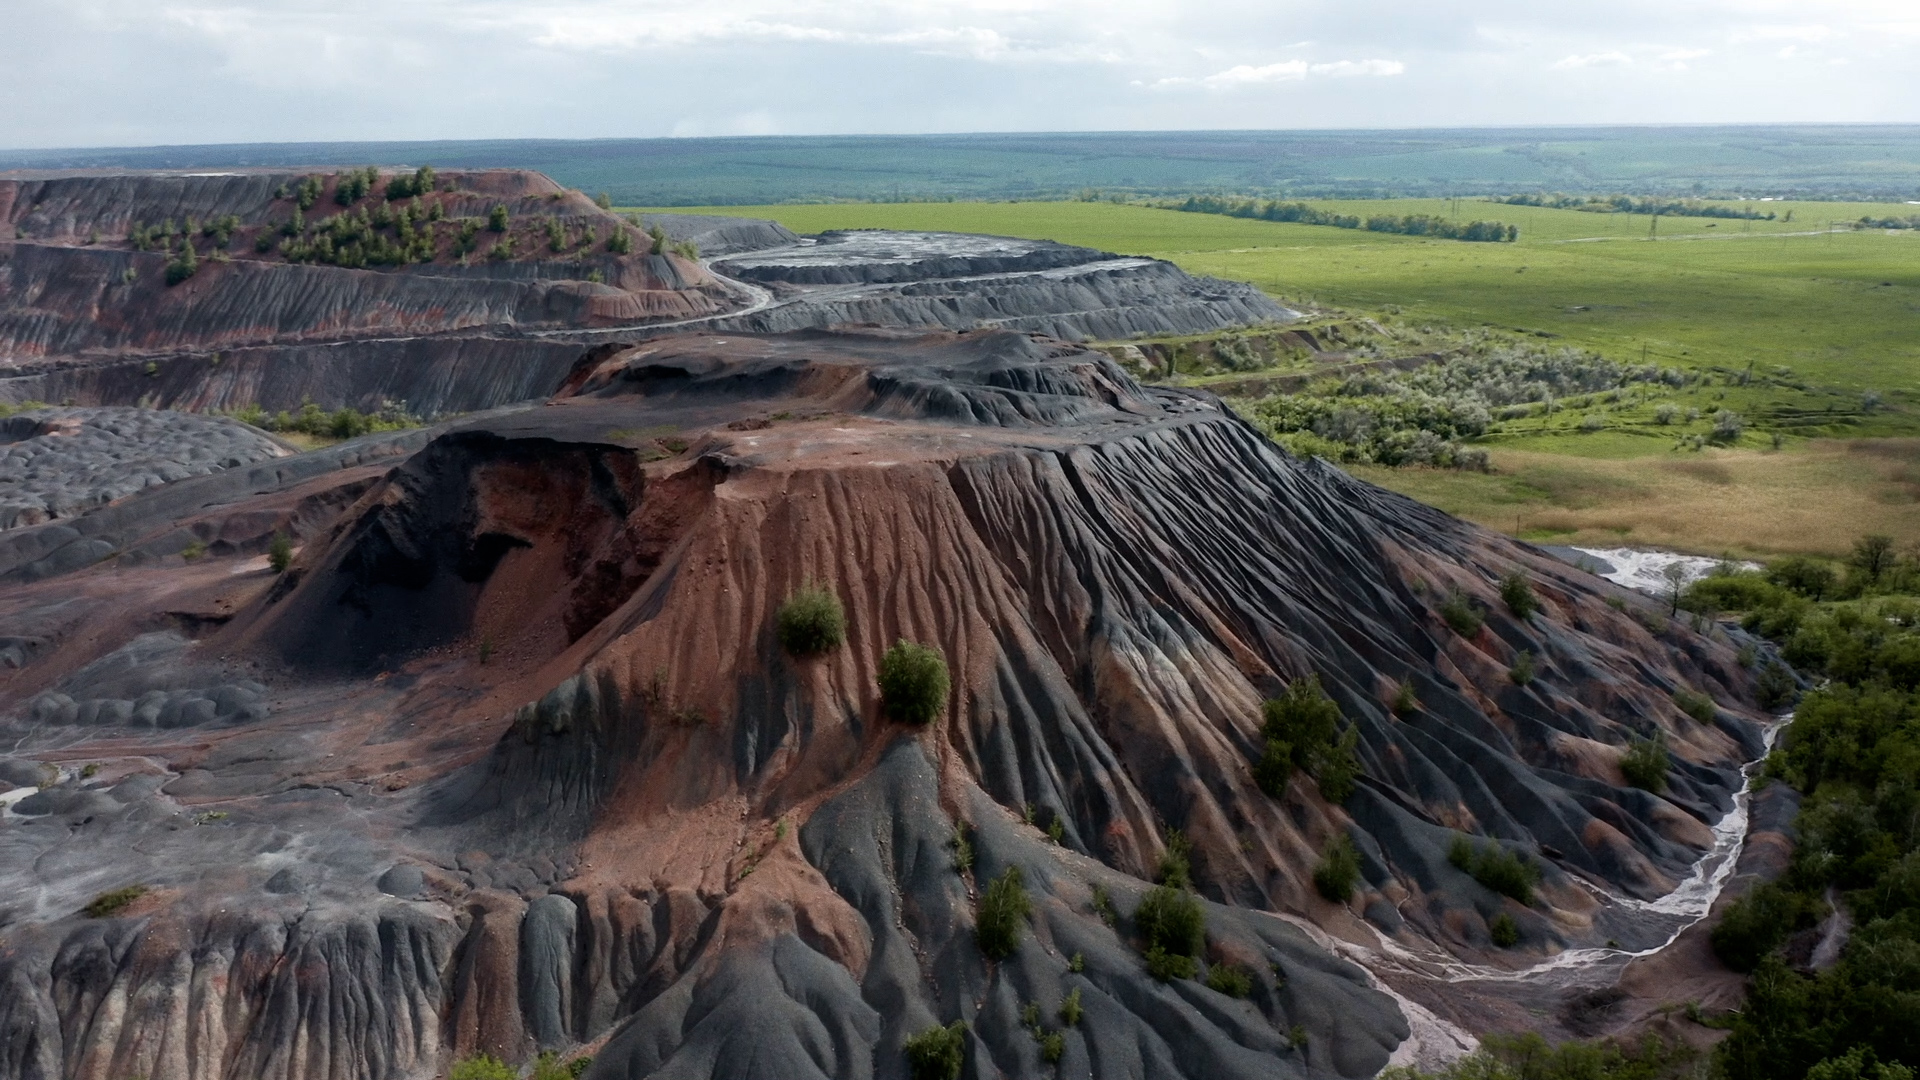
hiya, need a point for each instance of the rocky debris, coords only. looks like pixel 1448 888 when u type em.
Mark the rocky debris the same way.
pixel 149 682
pixel 55 462
pixel 538 774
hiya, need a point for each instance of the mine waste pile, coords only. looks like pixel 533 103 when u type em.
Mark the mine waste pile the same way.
pixel 772 701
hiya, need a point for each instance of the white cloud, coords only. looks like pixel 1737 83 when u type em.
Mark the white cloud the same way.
pixel 81 71
pixel 1606 59
pixel 1344 68
pixel 1243 75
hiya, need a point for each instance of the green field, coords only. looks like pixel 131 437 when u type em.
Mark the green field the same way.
pixel 1840 308
pixel 1797 323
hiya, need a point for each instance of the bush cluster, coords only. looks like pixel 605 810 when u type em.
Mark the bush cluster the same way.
pixel 1421 417
pixel 1001 915
pixel 342 423
pixel 1172 930
pixel 938 1052
pixel 1505 872
pixel 1339 870
pixel 913 683
pixel 1646 762
pixel 1303 730
pixel 811 621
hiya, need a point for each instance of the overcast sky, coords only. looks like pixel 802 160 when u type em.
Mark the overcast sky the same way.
pixel 143 72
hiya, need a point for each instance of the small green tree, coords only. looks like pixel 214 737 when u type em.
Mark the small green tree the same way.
pixel 1694 704
pixel 1339 870
pixel 913 683
pixel 1301 729
pixel 1523 671
pixel 1517 592
pixel 659 236
pixel 620 242
pixel 938 1052
pixel 183 266
pixel 1645 763
pixel 1461 614
pixel 1872 556
pixel 1170 920
pixel 811 621
pixel 1002 915
pixel 280 553
pixel 497 218
pixel 603 200
pixel 1229 979
pixel 1504 931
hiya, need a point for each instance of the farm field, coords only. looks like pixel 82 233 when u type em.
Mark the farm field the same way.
pixel 1791 321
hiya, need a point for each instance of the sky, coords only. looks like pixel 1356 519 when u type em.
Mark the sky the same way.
pixel 77 73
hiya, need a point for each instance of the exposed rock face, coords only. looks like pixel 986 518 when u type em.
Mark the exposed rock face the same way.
pixel 534 771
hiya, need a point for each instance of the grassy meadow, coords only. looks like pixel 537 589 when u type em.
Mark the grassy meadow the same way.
pixel 1793 323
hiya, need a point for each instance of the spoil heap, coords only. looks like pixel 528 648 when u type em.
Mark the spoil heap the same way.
pixel 518 760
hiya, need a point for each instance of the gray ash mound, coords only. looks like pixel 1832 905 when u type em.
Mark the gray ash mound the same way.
pixel 54 462
pixel 325 287
pixel 533 771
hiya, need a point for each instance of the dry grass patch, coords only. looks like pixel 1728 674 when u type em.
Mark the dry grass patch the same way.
pixel 1816 499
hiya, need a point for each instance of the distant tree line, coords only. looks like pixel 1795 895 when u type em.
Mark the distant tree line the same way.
pixel 1627 204
pixel 1304 214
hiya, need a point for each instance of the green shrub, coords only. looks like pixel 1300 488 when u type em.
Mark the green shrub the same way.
pixel 482 1067
pixel 1694 704
pixel 108 904
pixel 1168 966
pixel 1756 924
pixel 1461 614
pixel 1517 592
pixel 1301 729
pixel 548 1066
pixel 184 265
pixel 1339 870
pixel 497 219
pixel 1077 965
pixel 913 683
pixel 962 848
pixel 1176 862
pixel 1523 671
pixel 1405 701
pixel 1052 1045
pixel 1645 764
pixel 1103 905
pixel 620 242
pixel 1505 872
pixel 1002 913
pixel 1170 919
pixel 280 553
pixel 1229 980
pixel 1504 931
pixel 938 1052
pixel 1070 1008
pixel 1811 579
pixel 811 621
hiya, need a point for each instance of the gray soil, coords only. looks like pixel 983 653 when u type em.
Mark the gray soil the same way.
pixel 55 463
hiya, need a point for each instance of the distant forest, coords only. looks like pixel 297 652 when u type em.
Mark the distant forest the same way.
pixel 1880 162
